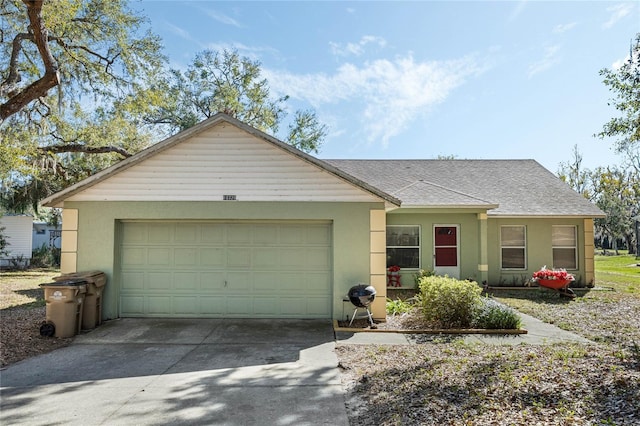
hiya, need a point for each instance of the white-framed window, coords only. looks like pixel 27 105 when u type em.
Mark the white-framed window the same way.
pixel 403 246
pixel 564 241
pixel 513 247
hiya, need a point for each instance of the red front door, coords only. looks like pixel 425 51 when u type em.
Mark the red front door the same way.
pixel 445 250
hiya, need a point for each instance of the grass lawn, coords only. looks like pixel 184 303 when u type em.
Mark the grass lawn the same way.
pixel 619 272
pixel 607 313
pixel 20 288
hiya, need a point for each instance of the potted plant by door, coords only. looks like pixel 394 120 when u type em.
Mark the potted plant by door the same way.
pixel 393 276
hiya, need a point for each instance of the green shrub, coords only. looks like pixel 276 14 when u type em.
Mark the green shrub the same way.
pixel 422 273
pixel 45 257
pixel 398 307
pixel 448 301
pixel 493 315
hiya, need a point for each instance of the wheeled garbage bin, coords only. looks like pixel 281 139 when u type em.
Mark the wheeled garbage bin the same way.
pixel 96 280
pixel 65 302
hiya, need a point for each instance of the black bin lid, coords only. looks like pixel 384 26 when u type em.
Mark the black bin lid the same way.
pixel 75 282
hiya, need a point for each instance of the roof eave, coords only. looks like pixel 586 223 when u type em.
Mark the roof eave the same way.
pixel 452 206
pixel 546 216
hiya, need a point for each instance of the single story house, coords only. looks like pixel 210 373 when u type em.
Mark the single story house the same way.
pixel 46 235
pixel 17 232
pixel 222 220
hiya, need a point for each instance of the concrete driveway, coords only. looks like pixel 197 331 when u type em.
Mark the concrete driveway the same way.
pixel 189 371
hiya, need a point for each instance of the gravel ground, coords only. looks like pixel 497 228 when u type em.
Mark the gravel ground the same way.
pixel 451 383
pixel 20 335
pixel 22 311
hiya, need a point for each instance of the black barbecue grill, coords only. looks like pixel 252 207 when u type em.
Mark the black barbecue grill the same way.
pixel 361 296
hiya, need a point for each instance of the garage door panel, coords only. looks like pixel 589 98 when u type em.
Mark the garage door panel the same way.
pixel 265 259
pixel 159 305
pixel 209 306
pixel 265 235
pixel 213 257
pixel 314 282
pixel 239 306
pixel 318 307
pixel 238 281
pixel 187 280
pixel 159 256
pixel 319 235
pixel 132 280
pixel 264 306
pixel 211 281
pixel 266 281
pixel 134 256
pixel 293 235
pixel 201 269
pixel 281 282
pixel 133 306
pixel 318 258
pixel 135 234
pixel 238 258
pixel 212 233
pixel 159 281
pixel 293 259
pixel 186 233
pixel 239 234
pixel 187 306
pixel 158 233
pixel 186 257
pixel 293 306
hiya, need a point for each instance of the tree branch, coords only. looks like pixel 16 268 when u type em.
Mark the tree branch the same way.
pixel 59 149
pixel 50 78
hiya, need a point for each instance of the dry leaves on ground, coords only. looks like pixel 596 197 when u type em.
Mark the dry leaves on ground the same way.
pixel 479 385
pixel 20 335
pixel 447 382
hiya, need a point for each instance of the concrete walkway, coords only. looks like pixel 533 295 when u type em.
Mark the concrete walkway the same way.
pixel 187 372
pixel 539 333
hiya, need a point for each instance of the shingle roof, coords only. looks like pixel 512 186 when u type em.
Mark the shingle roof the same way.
pixel 516 187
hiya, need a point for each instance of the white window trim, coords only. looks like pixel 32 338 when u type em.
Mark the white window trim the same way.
pixel 575 247
pixel 522 247
pixel 419 246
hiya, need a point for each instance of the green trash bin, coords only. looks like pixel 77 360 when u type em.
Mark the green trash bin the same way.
pixel 64 305
pixel 92 312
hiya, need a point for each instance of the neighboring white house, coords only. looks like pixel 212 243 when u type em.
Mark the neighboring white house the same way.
pixel 18 231
pixel 46 235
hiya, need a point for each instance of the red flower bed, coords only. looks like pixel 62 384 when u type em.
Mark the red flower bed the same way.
pixel 555 274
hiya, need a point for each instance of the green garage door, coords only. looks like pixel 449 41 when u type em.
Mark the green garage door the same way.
pixel 210 269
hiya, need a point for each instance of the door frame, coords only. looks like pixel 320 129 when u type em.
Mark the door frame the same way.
pixel 452 271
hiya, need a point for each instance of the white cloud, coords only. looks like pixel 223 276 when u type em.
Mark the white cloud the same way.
pixel 222 18
pixel 356 49
pixel 549 59
pixel 617 12
pixel 561 28
pixel 515 13
pixel 180 32
pixel 386 95
pixel 620 62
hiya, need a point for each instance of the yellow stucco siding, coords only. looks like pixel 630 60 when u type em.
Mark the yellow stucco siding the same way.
pixel 378 247
pixel 69 243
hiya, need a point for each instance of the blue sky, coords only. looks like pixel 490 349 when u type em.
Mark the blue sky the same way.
pixel 422 79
